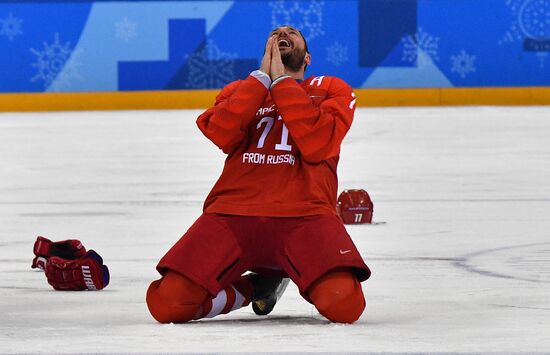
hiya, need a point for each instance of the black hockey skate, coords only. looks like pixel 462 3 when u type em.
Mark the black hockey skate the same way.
pixel 266 292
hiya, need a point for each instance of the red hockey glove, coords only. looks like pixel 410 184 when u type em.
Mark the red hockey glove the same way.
pixel 66 249
pixel 85 273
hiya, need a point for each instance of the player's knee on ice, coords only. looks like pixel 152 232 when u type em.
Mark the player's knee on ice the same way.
pixel 175 299
pixel 338 297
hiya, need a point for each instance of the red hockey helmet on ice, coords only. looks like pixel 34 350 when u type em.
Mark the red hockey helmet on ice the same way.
pixel 355 206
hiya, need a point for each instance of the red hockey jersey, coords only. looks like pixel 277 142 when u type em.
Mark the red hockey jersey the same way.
pixel 283 146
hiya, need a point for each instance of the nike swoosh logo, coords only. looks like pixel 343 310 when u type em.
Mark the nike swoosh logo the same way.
pixel 344 251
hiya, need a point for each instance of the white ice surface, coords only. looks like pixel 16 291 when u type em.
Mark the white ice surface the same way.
pixel 462 263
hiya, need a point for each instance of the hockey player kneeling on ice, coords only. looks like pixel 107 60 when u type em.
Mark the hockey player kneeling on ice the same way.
pixel 68 266
pixel 273 209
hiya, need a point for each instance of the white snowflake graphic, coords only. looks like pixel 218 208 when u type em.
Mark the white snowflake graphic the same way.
pixel 11 27
pixel 126 29
pixel 420 48
pixel 531 21
pixel 463 63
pixel 210 67
pixel 337 54
pixel 56 64
pixel 305 16
pixel 514 32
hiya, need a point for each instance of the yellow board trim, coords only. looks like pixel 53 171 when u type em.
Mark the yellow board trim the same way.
pixel 454 96
pixel 199 99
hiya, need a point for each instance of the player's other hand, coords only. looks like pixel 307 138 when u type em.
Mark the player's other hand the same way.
pixel 44 249
pixel 266 60
pixel 277 66
pixel 85 273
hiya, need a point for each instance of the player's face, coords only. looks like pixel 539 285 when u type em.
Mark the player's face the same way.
pixel 292 47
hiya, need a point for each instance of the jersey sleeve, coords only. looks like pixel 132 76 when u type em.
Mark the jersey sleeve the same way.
pixel 317 128
pixel 226 122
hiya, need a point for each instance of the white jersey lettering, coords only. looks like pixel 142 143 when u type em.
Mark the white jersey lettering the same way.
pixel 263 110
pixel 271 159
pixel 87 275
pixel 254 158
pixel 352 103
pixel 318 80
